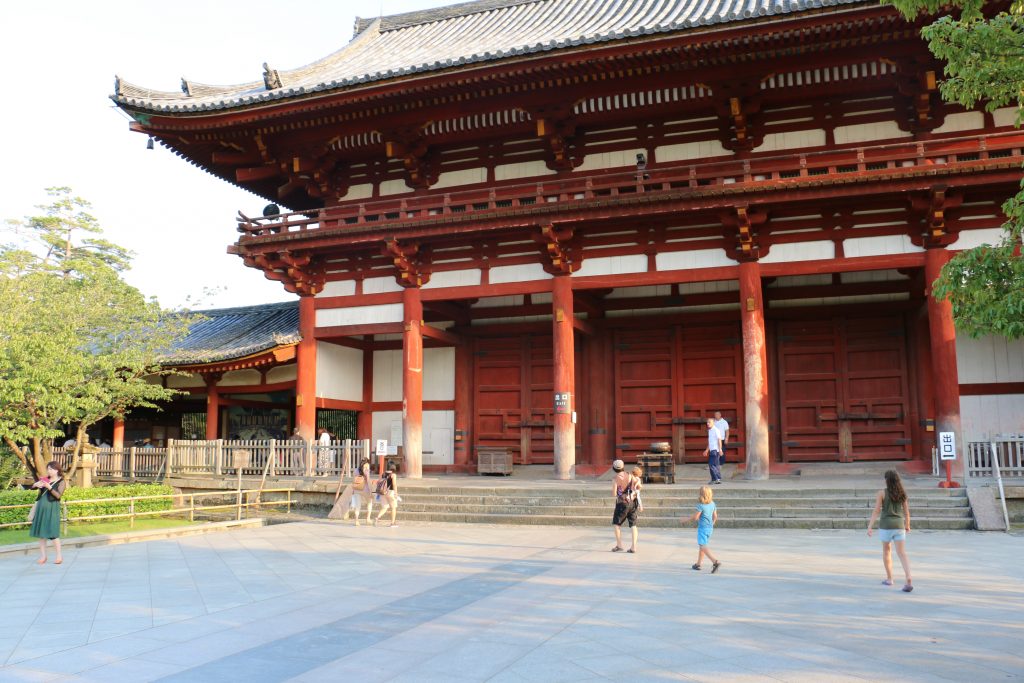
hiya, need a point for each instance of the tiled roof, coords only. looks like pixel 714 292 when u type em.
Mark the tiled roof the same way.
pixel 229 333
pixel 467 33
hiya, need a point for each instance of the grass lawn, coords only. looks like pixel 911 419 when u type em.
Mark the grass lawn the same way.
pixel 9 536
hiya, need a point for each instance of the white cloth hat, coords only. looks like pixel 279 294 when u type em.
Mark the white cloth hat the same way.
pixel 618 465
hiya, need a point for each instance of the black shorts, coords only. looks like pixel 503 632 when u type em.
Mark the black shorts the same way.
pixel 624 513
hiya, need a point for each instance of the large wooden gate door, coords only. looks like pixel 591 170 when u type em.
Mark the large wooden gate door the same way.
pixel 843 389
pixel 668 380
pixel 514 396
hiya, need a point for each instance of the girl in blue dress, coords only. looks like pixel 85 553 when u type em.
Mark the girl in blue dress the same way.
pixel 706 516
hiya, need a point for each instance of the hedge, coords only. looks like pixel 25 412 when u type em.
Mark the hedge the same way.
pixel 21 497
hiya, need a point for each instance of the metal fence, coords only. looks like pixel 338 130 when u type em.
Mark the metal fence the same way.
pixel 1002 452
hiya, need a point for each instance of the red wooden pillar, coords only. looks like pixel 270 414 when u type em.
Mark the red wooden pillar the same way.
pixel 305 385
pixel 212 409
pixel 599 395
pixel 755 371
pixel 946 382
pixel 412 382
pixel 564 376
pixel 118 434
pixel 463 406
pixel 364 420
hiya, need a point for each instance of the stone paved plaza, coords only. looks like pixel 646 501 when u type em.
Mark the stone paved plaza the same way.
pixel 322 601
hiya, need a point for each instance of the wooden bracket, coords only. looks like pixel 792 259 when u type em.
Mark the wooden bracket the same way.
pixel 917 83
pixel 741 224
pixel 409 145
pixel 410 265
pixel 297 272
pixel 740 125
pixel 931 210
pixel 558 250
pixel 557 126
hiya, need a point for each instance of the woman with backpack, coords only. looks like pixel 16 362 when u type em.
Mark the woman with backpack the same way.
pixel 625 488
pixel 387 495
pixel 360 490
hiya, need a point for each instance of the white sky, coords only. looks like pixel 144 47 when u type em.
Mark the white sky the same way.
pixel 59 127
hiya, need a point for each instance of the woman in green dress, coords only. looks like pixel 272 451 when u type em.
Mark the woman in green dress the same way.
pixel 46 522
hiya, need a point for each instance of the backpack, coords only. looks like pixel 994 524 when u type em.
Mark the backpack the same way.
pixel 627 496
pixel 382 488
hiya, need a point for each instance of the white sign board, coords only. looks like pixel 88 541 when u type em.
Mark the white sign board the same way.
pixel 382 447
pixel 947 446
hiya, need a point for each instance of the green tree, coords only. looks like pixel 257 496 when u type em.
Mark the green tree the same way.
pixel 77 343
pixel 984 54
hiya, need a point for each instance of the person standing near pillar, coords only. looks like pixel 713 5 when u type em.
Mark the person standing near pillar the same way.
pixel 723 428
pixel 714 451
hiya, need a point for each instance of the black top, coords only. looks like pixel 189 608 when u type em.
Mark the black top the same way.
pixel 55 491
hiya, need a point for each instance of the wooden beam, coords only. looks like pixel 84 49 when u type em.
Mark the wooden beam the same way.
pixel 442 335
pixel 843 265
pixel 256 173
pixel 357 330
pixel 583 326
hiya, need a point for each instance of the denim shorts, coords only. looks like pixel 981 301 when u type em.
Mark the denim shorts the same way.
pixel 890 535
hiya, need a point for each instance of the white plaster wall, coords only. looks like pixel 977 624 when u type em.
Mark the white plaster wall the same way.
pixel 698 258
pixel 283 373
pixel 363 191
pixel 802 251
pixel 879 246
pixel 982 416
pixel 1005 116
pixel 439 374
pixel 967 120
pixel 791 140
pixel 529 271
pixel 339 372
pixel 989 359
pixel 387 375
pixel 686 151
pixel 453 278
pixel 596 162
pixel 496 301
pixel 238 378
pixel 396 186
pixel 381 285
pixel 969 239
pixel 438 433
pixel 613 265
pixel 526 169
pixel 183 381
pixel 469 176
pixel 359 315
pixel 645 291
pixel 864 132
pixel 342 288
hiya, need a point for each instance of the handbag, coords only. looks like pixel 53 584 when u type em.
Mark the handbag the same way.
pixel 359 483
pixel 32 511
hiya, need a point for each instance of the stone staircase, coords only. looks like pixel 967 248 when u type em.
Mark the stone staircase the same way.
pixel 775 508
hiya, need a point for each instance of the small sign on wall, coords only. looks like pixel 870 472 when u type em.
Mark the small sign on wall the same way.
pixel 947 446
pixel 562 403
pixel 382 447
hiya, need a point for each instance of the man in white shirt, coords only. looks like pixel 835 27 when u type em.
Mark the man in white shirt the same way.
pixel 713 451
pixel 325 454
pixel 723 428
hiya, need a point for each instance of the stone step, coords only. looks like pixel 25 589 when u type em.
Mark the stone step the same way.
pixel 527 508
pixel 674 501
pixel 723 492
pixel 926 523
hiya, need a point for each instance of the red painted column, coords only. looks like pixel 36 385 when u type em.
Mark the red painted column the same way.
pixel 564 376
pixel 599 395
pixel 118 434
pixel 212 409
pixel 364 420
pixel 412 382
pixel 755 371
pixel 946 381
pixel 463 407
pixel 305 385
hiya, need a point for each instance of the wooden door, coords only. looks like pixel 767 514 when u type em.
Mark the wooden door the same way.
pixel 668 381
pixel 514 396
pixel 843 390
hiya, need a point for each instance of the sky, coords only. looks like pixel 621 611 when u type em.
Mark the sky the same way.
pixel 61 129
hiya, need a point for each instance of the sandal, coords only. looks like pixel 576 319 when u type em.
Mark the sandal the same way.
pixel 908 588
pixel 715 566
pixel 886 582
pixel 617 549
pixel 696 567
pixel 630 551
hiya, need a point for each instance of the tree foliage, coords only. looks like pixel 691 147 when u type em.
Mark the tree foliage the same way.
pixel 77 343
pixel 984 54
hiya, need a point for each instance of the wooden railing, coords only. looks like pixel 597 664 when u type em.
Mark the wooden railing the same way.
pixel 130 464
pixel 854 163
pixel 1004 452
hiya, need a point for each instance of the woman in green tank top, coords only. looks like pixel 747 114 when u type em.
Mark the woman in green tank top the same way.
pixel 893 526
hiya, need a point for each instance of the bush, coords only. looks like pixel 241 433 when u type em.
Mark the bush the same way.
pixel 21 497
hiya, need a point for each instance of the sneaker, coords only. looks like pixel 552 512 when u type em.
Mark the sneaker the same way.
pixel 712 482
pixel 715 566
pixel 695 567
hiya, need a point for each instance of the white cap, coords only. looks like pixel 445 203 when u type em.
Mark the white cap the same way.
pixel 618 465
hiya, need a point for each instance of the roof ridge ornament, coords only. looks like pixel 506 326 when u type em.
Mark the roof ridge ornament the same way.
pixel 271 78
pixel 186 87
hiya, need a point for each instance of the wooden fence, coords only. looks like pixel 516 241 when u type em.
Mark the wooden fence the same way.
pixel 289 458
pixel 1008 448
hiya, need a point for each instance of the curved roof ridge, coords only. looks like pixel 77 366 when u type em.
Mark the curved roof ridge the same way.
pixel 394 22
